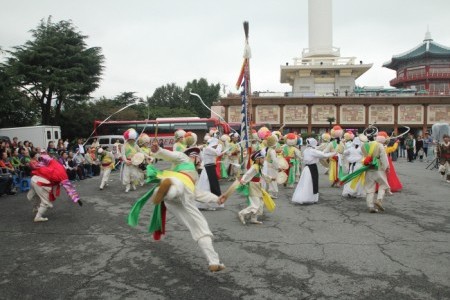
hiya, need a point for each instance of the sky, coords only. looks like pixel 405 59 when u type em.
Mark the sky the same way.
pixel 149 43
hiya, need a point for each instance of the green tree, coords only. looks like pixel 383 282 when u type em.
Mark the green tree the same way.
pixel 15 109
pixel 169 95
pixel 55 67
pixel 208 92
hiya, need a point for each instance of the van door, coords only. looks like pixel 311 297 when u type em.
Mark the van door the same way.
pixel 47 136
pixel 56 135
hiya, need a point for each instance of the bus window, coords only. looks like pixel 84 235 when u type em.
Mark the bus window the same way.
pixel 147 128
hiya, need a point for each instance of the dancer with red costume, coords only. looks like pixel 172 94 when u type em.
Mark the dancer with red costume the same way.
pixel 45 184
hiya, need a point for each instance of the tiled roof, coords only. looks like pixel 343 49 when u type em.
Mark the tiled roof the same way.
pixel 428 48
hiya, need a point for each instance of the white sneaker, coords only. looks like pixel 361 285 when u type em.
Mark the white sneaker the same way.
pixel 134 187
pixel 127 190
pixel 40 219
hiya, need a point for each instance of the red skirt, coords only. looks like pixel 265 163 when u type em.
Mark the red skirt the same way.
pixel 394 182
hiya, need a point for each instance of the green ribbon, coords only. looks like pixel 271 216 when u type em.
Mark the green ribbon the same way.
pixel 187 166
pixel 133 216
pixel 223 171
pixel 292 171
pixel 244 190
pixel 374 164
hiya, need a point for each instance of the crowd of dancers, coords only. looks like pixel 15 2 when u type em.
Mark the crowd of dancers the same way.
pixel 357 166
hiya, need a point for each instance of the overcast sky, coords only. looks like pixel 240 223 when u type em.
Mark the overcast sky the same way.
pixel 148 44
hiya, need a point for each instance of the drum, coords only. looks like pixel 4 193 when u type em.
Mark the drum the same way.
pixel 137 159
pixel 281 178
pixel 282 163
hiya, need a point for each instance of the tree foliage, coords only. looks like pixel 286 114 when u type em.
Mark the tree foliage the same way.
pixel 169 95
pixel 55 67
pixel 15 109
pixel 208 92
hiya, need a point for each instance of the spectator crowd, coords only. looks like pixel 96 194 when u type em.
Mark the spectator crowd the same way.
pixel 19 158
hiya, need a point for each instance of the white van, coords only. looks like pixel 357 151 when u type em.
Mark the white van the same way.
pixel 106 140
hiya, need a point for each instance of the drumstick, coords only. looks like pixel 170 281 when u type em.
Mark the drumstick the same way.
pixel 231 189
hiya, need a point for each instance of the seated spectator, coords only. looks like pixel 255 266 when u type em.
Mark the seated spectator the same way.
pixel 15 142
pixel 5 164
pixel 25 161
pixel 15 160
pixel 34 161
pixel 6 185
pixel 89 162
pixel 80 162
pixel 26 144
pixel 51 149
pixel 73 165
pixel 64 160
pixel 60 146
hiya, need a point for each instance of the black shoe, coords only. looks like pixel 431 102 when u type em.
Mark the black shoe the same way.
pixel 10 193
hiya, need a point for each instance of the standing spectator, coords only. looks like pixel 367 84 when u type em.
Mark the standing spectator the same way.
pixel 66 144
pixel 80 146
pixel 419 148
pixel 402 147
pixel 409 144
pixel 89 162
pixel 96 161
pixel 117 150
pixel 443 153
pixel 95 143
pixel 427 142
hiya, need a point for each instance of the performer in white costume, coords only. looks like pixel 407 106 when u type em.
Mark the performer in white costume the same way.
pixel 107 165
pixel 177 192
pixel 272 165
pixel 131 174
pixel 376 158
pixel 353 155
pixel 251 178
pixel 307 190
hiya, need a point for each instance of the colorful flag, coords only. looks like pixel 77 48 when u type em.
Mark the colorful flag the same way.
pixel 244 82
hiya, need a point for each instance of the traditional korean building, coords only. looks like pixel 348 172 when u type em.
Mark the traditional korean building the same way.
pixel 425 68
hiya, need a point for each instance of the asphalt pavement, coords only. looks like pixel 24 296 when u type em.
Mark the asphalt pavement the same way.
pixel 334 249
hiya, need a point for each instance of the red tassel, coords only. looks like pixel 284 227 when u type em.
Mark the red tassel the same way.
pixel 157 234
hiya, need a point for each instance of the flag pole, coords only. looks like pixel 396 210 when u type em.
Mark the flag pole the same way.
pixel 247 90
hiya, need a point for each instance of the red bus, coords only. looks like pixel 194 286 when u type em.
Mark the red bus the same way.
pixel 166 127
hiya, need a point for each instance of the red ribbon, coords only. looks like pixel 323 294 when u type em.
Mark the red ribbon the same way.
pixel 158 233
pixel 54 187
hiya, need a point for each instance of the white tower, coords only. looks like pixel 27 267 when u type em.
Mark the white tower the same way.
pixel 322 71
pixel 320 29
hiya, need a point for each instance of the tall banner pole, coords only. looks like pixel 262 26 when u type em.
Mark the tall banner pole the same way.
pixel 244 82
